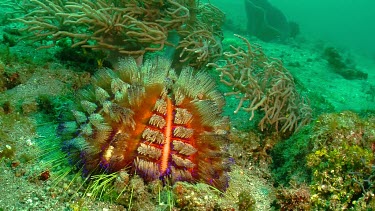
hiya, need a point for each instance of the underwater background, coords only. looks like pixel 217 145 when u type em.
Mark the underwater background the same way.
pixel 344 23
pixel 187 105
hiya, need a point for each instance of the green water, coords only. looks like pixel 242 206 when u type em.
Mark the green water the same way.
pixel 347 23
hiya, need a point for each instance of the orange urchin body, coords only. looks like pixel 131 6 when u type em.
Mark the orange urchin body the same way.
pixel 153 123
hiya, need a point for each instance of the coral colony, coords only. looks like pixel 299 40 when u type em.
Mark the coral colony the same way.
pixel 153 123
pixel 142 119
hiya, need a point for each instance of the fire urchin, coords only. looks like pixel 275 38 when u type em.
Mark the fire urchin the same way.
pixel 149 121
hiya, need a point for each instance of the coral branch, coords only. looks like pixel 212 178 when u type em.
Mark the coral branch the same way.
pixel 124 27
pixel 266 85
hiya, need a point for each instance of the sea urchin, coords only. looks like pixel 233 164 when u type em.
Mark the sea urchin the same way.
pixel 149 121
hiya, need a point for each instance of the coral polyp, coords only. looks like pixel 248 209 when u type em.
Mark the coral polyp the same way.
pixel 149 121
